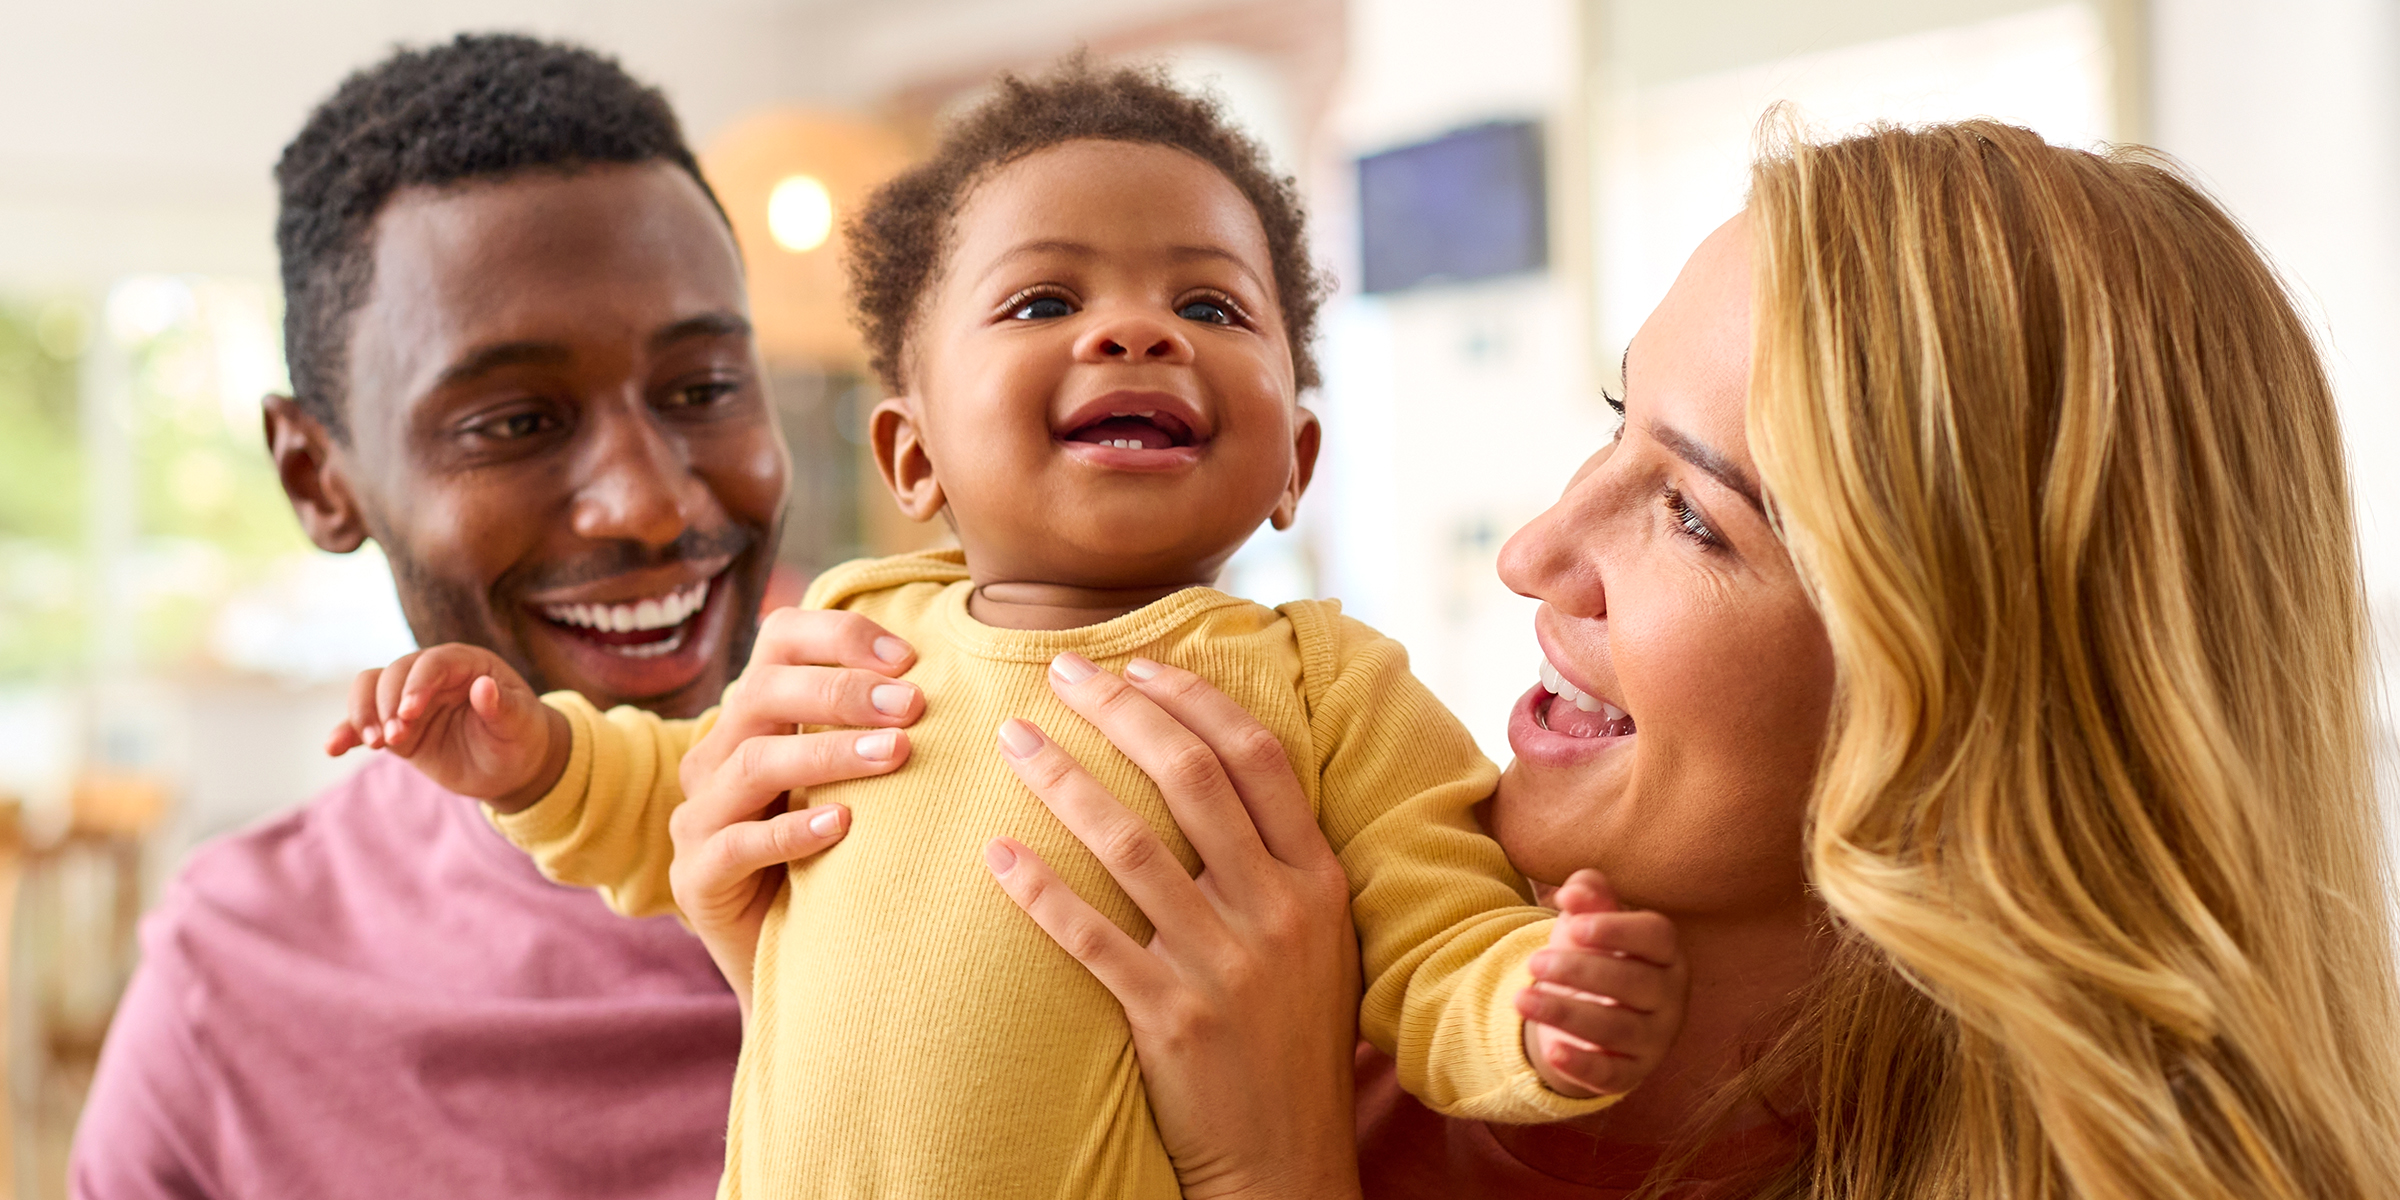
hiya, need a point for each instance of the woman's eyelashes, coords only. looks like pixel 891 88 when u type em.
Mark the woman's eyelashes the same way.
pixel 1689 521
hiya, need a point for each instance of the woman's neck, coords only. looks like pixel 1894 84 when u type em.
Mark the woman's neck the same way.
pixel 1021 605
pixel 1745 972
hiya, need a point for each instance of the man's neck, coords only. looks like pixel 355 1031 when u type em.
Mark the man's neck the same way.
pixel 1023 605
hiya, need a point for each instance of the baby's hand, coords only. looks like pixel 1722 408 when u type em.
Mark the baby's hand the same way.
pixel 1607 994
pixel 465 718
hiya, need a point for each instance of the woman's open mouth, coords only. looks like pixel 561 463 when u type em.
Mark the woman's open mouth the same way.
pixel 648 628
pixel 1571 711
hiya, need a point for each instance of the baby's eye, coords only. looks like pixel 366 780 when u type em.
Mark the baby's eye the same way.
pixel 1205 310
pixel 1042 308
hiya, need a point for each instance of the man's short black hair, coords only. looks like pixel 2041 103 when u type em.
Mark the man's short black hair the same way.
pixel 482 106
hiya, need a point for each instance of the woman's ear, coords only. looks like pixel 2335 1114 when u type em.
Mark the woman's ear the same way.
pixel 309 463
pixel 899 443
pixel 1306 436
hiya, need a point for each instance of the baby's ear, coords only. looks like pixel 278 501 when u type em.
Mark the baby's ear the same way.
pixel 1306 435
pixel 899 443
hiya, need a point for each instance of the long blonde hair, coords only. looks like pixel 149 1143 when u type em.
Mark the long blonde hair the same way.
pixel 2095 821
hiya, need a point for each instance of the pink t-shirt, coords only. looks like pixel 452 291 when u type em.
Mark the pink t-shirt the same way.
pixel 377 996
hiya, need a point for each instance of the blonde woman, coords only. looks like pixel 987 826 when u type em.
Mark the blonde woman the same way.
pixel 1973 592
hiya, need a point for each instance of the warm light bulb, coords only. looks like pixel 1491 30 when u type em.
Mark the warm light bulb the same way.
pixel 800 214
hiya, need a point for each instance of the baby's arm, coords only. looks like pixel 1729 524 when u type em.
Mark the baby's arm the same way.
pixel 1446 936
pixel 1607 996
pixel 465 718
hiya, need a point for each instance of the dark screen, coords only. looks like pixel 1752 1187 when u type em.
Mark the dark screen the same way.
pixel 1466 205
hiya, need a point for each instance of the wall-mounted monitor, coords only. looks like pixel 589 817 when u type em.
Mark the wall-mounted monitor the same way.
pixel 1466 205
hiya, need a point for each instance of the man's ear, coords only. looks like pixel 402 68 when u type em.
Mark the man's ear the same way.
pixel 307 461
pixel 1306 436
pixel 899 444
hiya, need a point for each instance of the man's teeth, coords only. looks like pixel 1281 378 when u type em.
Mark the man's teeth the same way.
pixel 666 645
pixel 1558 686
pixel 657 612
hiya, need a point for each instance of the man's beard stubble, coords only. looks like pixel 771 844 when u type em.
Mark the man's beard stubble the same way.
pixel 439 612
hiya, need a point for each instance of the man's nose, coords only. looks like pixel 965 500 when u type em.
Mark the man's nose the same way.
pixel 1133 337
pixel 636 484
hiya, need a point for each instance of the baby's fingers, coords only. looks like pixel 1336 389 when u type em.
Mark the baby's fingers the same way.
pixel 1601 1072
pixel 1647 936
pixel 1631 983
pixel 1592 1020
pixel 364 725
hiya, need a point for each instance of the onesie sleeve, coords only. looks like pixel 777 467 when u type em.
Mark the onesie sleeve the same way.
pixel 1443 924
pixel 604 824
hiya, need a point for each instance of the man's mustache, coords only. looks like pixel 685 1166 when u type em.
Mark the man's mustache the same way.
pixel 611 559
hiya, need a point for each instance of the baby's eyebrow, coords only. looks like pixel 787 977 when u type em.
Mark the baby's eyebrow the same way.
pixel 1085 250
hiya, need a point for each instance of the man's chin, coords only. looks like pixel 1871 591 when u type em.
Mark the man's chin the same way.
pixel 682 671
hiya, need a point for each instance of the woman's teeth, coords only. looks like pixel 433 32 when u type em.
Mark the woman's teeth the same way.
pixel 1577 713
pixel 658 612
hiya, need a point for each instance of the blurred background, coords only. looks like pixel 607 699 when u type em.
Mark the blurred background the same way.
pixel 1503 188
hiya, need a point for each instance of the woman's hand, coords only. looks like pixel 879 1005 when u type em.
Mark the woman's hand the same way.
pixel 809 667
pixel 1244 1006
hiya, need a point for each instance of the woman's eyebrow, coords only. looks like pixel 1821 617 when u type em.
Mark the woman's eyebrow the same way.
pixel 1700 454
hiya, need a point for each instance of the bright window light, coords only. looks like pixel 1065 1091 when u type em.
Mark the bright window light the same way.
pixel 800 214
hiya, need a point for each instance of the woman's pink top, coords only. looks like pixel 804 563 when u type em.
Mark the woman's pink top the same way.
pixel 1409 1152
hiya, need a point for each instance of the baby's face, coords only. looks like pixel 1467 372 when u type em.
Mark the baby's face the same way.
pixel 1101 389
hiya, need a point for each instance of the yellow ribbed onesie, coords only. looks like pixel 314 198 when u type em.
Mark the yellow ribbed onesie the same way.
pixel 915 1035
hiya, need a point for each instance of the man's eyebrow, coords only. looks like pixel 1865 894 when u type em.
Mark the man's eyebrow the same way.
pixel 1701 455
pixel 485 359
pixel 714 324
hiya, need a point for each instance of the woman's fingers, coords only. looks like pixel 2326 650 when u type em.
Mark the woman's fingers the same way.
pixel 1124 967
pixel 796 637
pixel 1126 846
pixel 773 698
pixel 744 848
pixel 1254 761
pixel 1186 769
pixel 762 768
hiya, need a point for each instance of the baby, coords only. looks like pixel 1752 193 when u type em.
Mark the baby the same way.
pixel 1091 308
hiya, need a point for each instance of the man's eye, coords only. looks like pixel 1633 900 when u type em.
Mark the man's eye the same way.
pixel 702 395
pixel 519 425
pixel 1042 308
pixel 1205 310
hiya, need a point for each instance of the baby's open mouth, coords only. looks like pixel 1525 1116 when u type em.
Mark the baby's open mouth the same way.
pixel 1139 430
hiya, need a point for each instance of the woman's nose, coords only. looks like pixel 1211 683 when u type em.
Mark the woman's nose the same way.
pixel 1133 338
pixel 1552 560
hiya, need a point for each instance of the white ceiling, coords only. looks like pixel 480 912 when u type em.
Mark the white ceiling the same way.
pixel 142 131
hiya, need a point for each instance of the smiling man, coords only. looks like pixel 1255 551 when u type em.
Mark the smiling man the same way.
pixel 522 365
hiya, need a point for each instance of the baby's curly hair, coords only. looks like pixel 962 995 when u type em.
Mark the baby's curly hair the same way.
pixel 897 241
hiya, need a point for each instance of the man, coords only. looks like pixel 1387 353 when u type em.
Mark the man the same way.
pixel 521 364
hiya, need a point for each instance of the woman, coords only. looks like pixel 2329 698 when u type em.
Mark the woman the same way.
pixel 1976 567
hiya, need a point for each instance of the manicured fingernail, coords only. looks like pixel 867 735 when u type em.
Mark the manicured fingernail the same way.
pixel 825 823
pixel 891 649
pixel 1073 668
pixel 1019 738
pixel 1140 670
pixel 891 699
pixel 875 747
pixel 999 857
